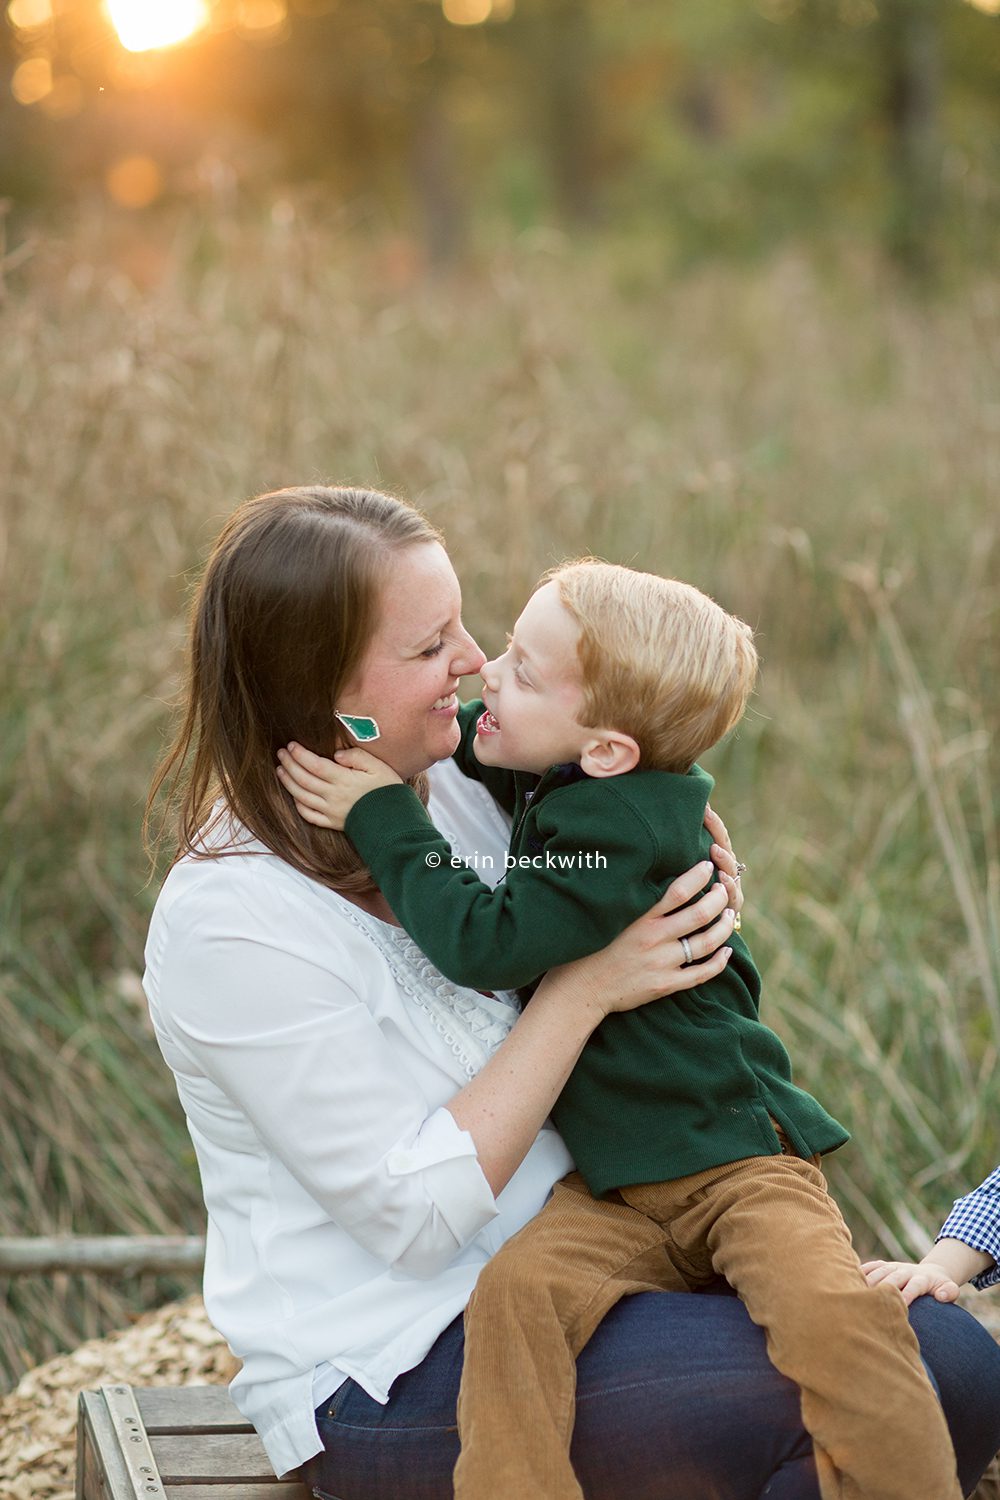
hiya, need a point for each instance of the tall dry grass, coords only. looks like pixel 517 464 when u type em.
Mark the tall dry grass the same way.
pixel 807 444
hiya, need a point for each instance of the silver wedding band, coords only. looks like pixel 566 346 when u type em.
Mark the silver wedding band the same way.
pixel 686 949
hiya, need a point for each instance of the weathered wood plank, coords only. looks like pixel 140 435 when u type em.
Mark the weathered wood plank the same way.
pixel 109 1253
pixel 206 1456
pixel 102 1475
pixel 82 1449
pixel 189 1408
pixel 288 1489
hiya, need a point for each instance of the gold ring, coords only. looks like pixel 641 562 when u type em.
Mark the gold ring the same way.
pixel 737 922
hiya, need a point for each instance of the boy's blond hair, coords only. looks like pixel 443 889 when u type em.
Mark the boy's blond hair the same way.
pixel 660 660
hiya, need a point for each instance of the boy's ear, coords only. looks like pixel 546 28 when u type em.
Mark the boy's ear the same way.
pixel 609 753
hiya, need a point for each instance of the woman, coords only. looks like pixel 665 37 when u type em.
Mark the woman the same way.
pixel 367 1133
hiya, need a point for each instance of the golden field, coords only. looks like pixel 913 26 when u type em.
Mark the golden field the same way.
pixel 801 437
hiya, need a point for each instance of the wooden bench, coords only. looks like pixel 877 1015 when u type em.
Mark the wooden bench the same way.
pixel 172 1443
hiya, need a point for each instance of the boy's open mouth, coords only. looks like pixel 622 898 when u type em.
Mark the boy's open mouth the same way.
pixel 486 723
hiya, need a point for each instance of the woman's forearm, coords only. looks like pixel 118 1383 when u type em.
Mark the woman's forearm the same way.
pixel 508 1101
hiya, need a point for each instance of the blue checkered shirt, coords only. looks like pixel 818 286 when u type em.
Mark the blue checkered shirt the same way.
pixel 975 1220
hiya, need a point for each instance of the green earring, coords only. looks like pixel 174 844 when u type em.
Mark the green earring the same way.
pixel 362 729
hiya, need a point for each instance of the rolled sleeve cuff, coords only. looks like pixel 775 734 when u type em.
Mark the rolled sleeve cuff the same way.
pixel 983 1235
pixel 446 1157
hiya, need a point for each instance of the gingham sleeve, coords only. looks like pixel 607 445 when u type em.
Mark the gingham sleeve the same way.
pixel 975 1220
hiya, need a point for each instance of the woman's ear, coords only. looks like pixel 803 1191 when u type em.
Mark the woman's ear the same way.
pixel 609 753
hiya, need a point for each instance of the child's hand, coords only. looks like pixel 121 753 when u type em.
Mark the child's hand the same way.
pixel 324 791
pixel 914 1280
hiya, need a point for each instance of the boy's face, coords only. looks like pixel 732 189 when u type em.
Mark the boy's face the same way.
pixel 534 691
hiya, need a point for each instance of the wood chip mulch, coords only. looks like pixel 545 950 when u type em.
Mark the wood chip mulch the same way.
pixel 176 1345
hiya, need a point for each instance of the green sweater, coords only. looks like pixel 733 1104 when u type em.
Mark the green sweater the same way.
pixel 684 1083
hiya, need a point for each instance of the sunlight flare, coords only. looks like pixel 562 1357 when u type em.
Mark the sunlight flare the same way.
pixel 29 15
pixel 144 24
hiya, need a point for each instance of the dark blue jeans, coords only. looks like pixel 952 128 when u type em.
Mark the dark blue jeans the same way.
pixel 676 1400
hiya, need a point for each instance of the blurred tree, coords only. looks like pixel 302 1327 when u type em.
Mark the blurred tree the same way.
pixel 25 150
pixel 911 51
pixel 562 67
pixel 364 94
pixel 434 167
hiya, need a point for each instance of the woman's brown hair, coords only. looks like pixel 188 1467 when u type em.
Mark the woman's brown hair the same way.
pixel 285 608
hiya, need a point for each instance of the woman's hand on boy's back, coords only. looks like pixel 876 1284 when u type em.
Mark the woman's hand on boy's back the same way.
pixel 671 948
pixel 674 946
pixel 324 791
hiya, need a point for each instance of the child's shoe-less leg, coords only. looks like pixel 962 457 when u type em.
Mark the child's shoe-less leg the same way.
pixel 535 1306
pixel 773 1231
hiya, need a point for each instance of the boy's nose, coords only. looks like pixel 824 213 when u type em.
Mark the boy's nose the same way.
pixel 488 672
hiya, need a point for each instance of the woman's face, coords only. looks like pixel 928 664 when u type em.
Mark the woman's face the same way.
pixel 409 677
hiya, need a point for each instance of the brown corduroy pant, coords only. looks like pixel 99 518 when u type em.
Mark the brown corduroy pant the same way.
pixel 770 1227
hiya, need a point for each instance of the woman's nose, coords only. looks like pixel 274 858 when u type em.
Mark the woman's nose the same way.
pixel 470 658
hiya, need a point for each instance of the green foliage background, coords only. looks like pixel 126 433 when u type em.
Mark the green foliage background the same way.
pixel 725 129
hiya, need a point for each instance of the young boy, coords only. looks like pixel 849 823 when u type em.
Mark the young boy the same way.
pixel 966 1248
pixel 697 1155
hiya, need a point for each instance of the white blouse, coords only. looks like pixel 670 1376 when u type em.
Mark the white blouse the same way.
pixel 314 1049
